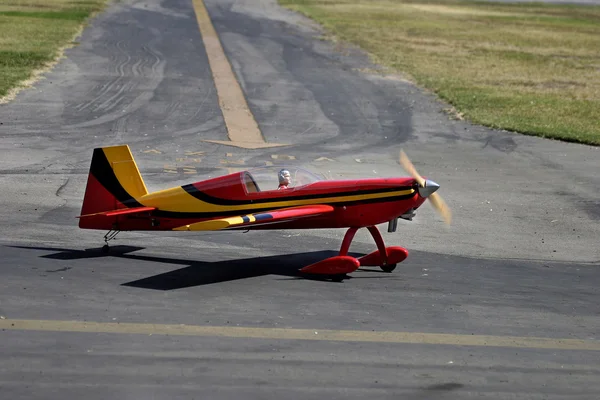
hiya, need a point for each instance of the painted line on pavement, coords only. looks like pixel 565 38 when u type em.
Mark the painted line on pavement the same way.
pixel 300 334
pixel 241 126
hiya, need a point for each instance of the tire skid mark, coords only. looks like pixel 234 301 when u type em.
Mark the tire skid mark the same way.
pixel 136 71
pixel 159 60
pixel 84 104
pixel 119 69
pixel 173 109
pixel 121 66
pixel 155 77
pixel 122 70
pixel 112 101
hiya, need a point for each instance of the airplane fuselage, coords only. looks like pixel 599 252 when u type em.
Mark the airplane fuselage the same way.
pixel 356 203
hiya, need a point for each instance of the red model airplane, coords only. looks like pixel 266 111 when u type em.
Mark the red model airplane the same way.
pixel 116 199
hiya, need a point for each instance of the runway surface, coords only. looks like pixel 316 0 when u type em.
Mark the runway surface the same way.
pixel 503 304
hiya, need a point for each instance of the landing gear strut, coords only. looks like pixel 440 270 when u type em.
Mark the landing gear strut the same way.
pixel 385 257
pixel 388 257
pixel 110 235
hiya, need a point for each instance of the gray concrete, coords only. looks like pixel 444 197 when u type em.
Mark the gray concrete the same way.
pixel 429 293
pixel 521 257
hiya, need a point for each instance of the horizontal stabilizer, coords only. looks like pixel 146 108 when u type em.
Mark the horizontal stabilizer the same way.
pixel 124 211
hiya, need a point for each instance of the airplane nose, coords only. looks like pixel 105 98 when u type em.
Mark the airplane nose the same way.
pixel 429 188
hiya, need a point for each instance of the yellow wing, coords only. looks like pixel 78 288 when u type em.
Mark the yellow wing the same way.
pixel 262 218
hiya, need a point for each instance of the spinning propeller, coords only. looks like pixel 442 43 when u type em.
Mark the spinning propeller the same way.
pixel 427 189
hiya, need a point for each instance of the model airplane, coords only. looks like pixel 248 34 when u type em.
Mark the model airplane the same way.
pixel 116 199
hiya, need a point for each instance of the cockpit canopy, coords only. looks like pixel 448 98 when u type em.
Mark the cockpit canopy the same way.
pixel 263 179
pixel 237 185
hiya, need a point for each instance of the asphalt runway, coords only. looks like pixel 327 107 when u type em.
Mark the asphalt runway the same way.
pixel 503 304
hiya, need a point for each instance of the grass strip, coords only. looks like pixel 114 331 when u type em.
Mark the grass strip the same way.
pixel 526 67
pixel 67 15
pixel 33 34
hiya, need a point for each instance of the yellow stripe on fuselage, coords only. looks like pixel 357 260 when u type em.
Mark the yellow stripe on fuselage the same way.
pixel 178 200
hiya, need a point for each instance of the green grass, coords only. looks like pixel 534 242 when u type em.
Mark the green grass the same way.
pixel 74 15
pixel 530 68
pixel 33 33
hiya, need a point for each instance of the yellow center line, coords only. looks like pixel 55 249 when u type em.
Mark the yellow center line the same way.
pixel 242 128
pixel 301 334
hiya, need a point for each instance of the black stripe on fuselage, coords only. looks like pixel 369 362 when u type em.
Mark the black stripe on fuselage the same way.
pixel 193 191
pixel 233 213
pixel 102 171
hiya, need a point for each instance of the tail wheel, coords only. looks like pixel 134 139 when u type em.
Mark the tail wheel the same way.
pixel 388 268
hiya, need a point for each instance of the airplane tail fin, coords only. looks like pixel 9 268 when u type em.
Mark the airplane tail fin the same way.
pixel 114 182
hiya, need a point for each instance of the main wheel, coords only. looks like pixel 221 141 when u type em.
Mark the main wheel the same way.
pixel 105 249
pixel 388 268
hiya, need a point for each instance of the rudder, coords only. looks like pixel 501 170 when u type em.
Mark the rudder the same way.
pixel 114 182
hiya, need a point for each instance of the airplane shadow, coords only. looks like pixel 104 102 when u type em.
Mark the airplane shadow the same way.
pixel 198 273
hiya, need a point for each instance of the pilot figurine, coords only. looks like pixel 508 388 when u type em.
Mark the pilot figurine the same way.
pixel 285 179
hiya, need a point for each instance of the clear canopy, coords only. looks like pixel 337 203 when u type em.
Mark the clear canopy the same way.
pixel 267 178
